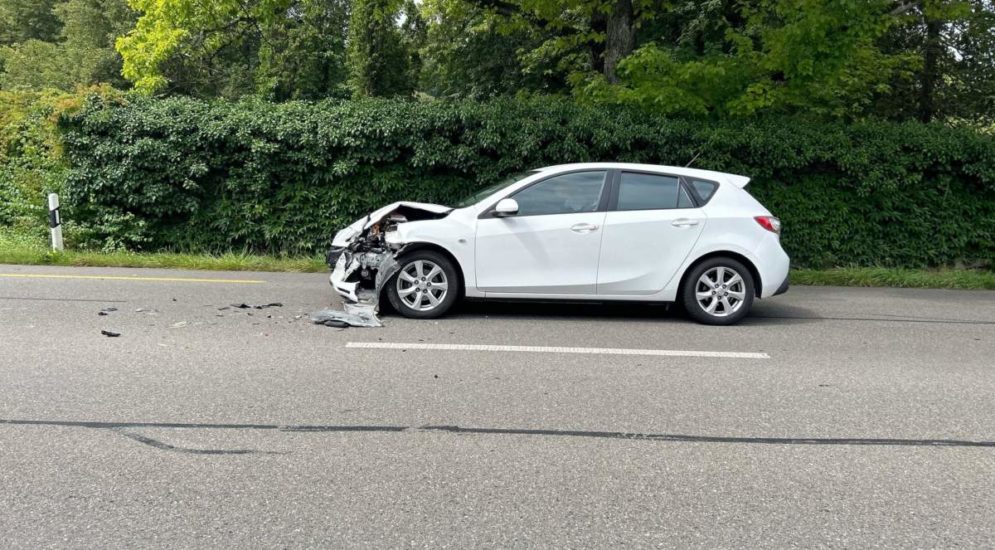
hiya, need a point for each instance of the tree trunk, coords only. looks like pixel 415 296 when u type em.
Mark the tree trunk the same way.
pixel 620 37
pixel 930 72
pixel 599 24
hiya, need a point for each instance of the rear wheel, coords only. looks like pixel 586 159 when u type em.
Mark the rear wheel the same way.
pixel 426 286
pixel 719 291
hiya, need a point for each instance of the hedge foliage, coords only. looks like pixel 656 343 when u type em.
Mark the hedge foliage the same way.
pixel 192 175
pixel 32 163
pixel 30 160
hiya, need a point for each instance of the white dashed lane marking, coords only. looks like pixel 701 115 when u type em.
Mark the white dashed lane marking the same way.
pixel 557 349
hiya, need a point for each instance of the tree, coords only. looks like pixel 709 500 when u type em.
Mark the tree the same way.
pixel 378 63
pixel 23 20
pixel 302 55
pixel 970 85
pixel 814 56
pixel 944 35
pixel 80 52
pixel 279 48
pixel 468 52
pixel 604 29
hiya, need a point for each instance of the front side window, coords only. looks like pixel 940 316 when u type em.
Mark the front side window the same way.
pixel 651 192
pixel 566 194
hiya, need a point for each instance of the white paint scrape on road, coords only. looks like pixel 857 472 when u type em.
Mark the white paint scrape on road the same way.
pixel 556 349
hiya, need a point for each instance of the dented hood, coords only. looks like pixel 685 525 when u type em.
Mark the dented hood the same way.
pixel 343 237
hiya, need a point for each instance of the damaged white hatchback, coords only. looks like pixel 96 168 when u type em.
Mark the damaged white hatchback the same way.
pixel 593 231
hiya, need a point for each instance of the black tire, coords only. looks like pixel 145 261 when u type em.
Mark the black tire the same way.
pixel 424 291
pixel 743 286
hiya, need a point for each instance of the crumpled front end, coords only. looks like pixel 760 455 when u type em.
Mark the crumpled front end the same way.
pixel 363 256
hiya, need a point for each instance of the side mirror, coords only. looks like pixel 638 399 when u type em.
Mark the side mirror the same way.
pixel 505 208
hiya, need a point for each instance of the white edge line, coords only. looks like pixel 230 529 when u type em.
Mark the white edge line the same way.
pixel 557 349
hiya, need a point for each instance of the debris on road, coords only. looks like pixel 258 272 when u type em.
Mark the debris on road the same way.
pixel 251 306
pixel 106 311
pixel 110 333
pixel 343 319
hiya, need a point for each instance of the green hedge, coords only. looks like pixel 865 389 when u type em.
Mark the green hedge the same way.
pixel 30 160
pixel 193 175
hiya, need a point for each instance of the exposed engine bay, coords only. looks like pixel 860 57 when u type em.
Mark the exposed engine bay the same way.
pixel 363 257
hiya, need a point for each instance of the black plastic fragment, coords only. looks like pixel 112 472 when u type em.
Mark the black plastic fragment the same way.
pixel 260 306
pixel 110 333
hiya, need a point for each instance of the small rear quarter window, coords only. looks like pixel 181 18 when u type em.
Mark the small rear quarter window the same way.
pixel 704 188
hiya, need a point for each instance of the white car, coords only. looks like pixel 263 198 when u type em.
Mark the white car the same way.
pixel 591 231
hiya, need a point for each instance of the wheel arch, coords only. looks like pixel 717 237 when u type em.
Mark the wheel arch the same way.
pixel 754 272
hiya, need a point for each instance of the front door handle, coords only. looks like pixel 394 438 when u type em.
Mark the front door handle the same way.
pixel 584 228
pixel 684 222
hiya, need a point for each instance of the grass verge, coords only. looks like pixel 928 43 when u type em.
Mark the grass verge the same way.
pixel 24 253
pixel 19 253
pixel 891 277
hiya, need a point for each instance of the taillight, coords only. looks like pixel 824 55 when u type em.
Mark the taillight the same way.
pixel 770 223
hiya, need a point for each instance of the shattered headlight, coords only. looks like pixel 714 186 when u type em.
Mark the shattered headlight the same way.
pixel 333 255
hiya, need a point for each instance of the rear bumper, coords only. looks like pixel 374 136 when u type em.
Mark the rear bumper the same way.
pixel 784 287
pixel 773 264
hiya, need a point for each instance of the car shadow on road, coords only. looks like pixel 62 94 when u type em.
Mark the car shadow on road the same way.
pixel 766 313
pixel 623 311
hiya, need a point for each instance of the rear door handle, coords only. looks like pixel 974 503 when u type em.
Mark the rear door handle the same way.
pixel 584 228
pixel 684 222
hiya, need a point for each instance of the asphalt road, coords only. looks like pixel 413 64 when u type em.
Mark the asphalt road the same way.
pixel 864 417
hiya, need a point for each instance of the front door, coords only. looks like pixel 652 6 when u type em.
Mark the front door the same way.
pixel 551 246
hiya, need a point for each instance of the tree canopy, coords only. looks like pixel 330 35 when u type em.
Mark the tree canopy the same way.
pixel 834 59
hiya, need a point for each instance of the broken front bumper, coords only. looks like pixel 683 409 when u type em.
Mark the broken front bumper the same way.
pixel 342 271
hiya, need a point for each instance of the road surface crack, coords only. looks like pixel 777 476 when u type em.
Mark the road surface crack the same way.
pixel 124 427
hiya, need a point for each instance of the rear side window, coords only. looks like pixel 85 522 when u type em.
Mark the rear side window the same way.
pixel 566 194
pixel 704 188
pixel 651 192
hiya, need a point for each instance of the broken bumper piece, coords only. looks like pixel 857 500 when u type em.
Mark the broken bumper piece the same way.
pixel 363 257
pixel 335 318
pixel 338 279
pixel 360 305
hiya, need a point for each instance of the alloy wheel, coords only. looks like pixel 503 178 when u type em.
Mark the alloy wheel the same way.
pixel 720 291
pixel 422 285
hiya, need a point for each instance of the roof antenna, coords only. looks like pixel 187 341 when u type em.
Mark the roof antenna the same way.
pixel 694 158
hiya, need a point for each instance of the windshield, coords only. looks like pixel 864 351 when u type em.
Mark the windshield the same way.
pixel 491 189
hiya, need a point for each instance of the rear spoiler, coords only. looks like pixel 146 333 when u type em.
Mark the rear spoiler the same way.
pixel 738 181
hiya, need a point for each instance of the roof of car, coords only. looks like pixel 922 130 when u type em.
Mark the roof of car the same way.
pixel 737 180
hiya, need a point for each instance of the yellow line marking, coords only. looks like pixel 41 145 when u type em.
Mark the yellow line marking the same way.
pixel 118 278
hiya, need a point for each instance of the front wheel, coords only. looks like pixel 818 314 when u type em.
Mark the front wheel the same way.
pixel 426 286
pixel 719 291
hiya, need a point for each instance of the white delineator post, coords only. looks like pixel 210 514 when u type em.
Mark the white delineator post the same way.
pixel 55 221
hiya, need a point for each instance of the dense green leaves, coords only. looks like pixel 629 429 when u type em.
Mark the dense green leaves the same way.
pixel 77 49
pixel 378 60
pixel 279 49
pixel 281 177
pixel 718 59
pixel 23 20
pixel 31 160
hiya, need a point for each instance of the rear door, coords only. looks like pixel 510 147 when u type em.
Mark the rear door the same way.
pixel 551 247
pixel 651 226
